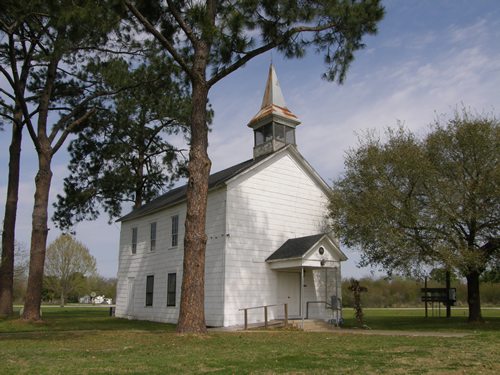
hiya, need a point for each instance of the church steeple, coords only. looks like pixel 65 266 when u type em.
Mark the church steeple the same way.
pixel 274 125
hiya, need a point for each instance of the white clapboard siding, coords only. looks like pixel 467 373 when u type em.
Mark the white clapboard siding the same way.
pixel 165 259
pixel 276 201
pixel 279 199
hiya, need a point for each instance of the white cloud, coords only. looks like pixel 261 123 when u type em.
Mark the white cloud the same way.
pixel 479 30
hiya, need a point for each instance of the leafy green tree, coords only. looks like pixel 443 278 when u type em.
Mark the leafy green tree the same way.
pixel 439 275
pixel 60 35
pixel 67 265
pixel 492 275
pixel 211 39
pixel 124 154
pixel 408 203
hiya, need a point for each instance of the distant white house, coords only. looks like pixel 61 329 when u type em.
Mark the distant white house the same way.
pixel 98 300
pixel 267 236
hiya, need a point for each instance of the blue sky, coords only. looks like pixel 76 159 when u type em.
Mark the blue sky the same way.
pixel 428 58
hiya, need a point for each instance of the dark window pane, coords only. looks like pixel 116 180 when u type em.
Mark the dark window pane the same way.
pixel 279 132
pixel 268 132
pixel 259 137
pixel 153 236
pixel 263 134
pixel 171 286
pixel 150 281
pixel 175 230
pixel 134 240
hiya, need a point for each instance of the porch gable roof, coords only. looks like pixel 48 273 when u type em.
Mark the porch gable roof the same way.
pixel 295 247
pixel 316 251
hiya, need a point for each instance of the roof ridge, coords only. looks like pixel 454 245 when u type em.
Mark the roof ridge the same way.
pixel 178 194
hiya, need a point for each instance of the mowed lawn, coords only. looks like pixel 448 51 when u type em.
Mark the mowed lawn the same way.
pixel 88 341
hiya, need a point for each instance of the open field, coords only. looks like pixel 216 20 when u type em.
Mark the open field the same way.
pixel 87 341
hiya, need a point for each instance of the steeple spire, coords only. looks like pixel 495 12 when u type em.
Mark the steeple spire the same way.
pixel 273 94
pixel 274 125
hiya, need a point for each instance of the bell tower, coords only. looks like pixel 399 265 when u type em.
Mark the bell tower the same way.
pixel 274 125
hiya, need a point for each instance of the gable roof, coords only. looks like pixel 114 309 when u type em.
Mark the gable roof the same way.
pixel 295 247
pixel 178 195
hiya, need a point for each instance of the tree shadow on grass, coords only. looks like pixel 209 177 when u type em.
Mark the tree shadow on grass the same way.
pixel 75 319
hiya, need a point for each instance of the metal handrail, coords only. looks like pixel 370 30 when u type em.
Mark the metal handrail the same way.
pixel 245 310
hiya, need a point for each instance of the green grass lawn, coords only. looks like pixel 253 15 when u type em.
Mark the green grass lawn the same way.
pixel 88 341
pixel 415 320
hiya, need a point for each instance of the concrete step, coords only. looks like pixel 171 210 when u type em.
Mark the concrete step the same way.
pixel 313 325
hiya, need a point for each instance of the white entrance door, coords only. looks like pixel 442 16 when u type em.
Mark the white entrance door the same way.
pixel 130 297
pixel 289 292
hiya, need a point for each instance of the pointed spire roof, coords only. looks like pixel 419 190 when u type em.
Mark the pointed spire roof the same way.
pixel 273 104
pixel 273 94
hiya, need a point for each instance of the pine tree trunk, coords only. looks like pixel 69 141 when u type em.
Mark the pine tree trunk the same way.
pixel 473 297
pixel 9 221
pixel 38 235
pixel 192 308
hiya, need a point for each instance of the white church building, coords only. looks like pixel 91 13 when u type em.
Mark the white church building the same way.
pixel 268 240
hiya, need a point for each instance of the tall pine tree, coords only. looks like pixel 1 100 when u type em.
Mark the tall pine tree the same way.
pixel 211 39
pixel 53 38
pixel 125 155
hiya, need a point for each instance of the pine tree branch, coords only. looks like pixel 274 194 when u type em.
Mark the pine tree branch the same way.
pixel 44 101
pixel 170 48
pixel 184 26
pixel 27 60
pixel 61 124
pixel 251 54
pixel 5 115
pixel 137 52
pixel 70 128
pixel 240 62
pixel 10 96
pixel 18 91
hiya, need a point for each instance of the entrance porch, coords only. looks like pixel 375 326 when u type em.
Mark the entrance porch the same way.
pixel 309 277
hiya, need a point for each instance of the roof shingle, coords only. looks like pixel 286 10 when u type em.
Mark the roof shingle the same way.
pixel 295 247
pixel 178 195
